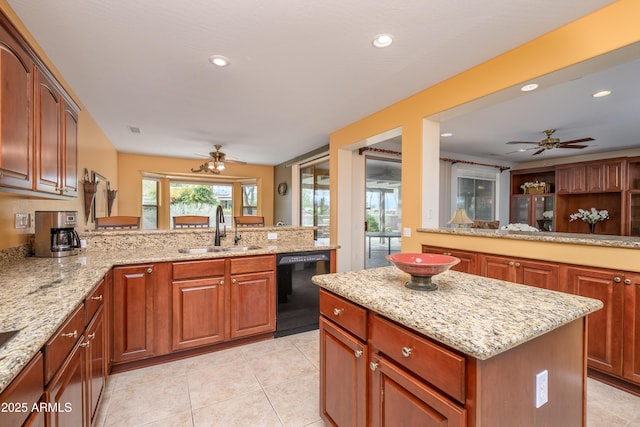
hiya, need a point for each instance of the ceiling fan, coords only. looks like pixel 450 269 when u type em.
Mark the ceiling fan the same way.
pixel 549 143
pixel 216 162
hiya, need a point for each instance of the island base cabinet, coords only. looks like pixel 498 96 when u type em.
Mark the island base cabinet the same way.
pixel 67 390
pixel 343 383
pixel 400 399
pixel 631 366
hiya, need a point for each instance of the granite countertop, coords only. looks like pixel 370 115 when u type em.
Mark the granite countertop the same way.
pixel 38 294
pixel 478 316
pixel 630 242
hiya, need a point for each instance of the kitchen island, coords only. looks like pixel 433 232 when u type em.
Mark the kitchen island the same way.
pixel 468 352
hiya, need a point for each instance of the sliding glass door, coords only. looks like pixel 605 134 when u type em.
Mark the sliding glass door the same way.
pixel 314 198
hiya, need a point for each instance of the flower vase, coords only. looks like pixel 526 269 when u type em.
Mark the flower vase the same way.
pixel 592 228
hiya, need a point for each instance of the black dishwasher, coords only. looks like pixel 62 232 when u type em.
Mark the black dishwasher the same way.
pixel 298 298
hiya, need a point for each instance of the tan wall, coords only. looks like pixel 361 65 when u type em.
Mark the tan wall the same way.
pixel 132 166
pixel 95 152
pixel 605 30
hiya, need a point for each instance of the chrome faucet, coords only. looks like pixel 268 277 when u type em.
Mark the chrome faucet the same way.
pixel 219 220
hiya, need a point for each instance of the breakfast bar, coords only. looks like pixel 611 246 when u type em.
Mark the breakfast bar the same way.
pixel 476 350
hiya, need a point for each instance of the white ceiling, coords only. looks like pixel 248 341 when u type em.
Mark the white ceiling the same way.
pixel 299 70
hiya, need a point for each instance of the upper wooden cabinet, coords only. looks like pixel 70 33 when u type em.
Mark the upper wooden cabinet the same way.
pixel 38 123
pixel 592 177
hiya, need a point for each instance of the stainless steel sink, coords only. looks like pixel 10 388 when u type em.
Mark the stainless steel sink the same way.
pixel 217 249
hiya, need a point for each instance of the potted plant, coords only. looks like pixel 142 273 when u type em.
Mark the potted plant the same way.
pixel 591 216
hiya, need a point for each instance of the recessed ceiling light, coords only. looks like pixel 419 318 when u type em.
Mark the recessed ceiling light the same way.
pixel 529 87
pixel 446 134
pixel 219 60
pixel 383 40
pixel 601 93
pixel 522 150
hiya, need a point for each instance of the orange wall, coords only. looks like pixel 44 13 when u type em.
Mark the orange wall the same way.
pixel 132 166
pixel 95 152
pixel 610 28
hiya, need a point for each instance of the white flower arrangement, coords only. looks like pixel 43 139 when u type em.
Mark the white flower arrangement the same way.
pixel 547 214
pixel 518 227
pixel 590 216
pixel 533 184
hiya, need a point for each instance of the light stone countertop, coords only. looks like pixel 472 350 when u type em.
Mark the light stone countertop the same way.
pixel 629 242
pixel 38 294
pixel 478 316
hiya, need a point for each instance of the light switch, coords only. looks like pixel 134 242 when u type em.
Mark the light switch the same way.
pixel 22 220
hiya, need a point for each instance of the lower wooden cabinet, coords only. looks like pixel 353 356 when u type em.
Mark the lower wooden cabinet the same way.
pixel 97 365
pixel 253 299
pixel 67 391
pixel 25 391
pixel 527 272
pixel 468 260
pixel 401 399
pixel 343 386
pixel 631 333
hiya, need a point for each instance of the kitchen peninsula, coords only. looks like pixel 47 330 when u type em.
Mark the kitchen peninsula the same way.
pixel 468 353
pixel 131 299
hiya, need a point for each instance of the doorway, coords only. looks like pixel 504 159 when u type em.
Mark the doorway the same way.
pixel 314 198
pixel 383 210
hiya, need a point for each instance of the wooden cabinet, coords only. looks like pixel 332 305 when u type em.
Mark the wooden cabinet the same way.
pixel 631 333
pixel 252 295
pixel 48 105
pixel 343 361
pixel 534 210
pixel 605 176
pixel 571 179
pixel 133 323
pixel 22 394
pixel 519 270
pixel 69 170
pixel 96 349
pixel 401 399
pixel 198 303
pixel 16 119
pixel 468 260
pixel 67 390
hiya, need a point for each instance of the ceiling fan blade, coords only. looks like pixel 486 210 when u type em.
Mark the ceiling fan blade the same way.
pixel 573 141
pixel 539 151
pixel 571 146
pixel 522 142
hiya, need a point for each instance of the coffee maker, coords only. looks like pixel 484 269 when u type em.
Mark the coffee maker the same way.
pixel 55 234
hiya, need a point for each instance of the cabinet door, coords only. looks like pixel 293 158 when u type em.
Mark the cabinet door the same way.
pixel 632 328
pixel 96 336
pixel 343 367
pixel 467 259
pixel 539 274
pixel 133 308
pixel 69 173
pixel 604 177
pixel 16 107
pixel 571 180
pixel 47 137
pixel 67 391
pixel 520 209
pixel 197 312
pixel 253 303
pixel 400 399
pixel 604 340
pixel 497 267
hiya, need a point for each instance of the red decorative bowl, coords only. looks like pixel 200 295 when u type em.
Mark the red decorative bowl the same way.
pixel 422 267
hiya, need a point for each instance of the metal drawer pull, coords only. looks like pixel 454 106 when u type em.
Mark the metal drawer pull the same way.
pixel 91 336
pixel 221 282
pixel 510 263
pixel 373 366
pixel 406 351
pixel 98 298
pixel 85 344
pixel 517 264
pixel 149 270
pixel 358 353
pixel 627 281
pixel 337 311
pixel 73 334
pixel 617 279
pixel 234 281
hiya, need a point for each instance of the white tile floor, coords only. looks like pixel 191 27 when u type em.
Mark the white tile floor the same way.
pixel 270 383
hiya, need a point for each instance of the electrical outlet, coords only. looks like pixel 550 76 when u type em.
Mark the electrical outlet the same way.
pixel 542 388
pixel 22 220
pixel 272 236
pixel 406 232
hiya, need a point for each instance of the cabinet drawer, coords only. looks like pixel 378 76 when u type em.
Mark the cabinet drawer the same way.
pixel 445 369
pixel 94 301
pixel 253 264
pixel 25 390
pixel 59 346
pixel 346 314
pixel 195 269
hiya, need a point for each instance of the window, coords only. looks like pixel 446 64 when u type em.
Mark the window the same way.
pixel 149 204
pixel 200 199
pixel 475 191
pixel 249 199
pixel 314 198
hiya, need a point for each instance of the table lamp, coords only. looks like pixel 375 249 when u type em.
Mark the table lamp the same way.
pixel 460 217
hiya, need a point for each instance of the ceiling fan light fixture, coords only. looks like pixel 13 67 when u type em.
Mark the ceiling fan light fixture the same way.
pixel 220 166
pixel 529 87
pixel 383 40
pixel 219 60
pixel 601 93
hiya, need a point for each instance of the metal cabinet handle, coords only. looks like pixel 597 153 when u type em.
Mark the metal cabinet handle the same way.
pixel 617 279
pixel 98 298
pixel 406 351
pixel 234 281
pixel 446 253
pixel 373 366
pixel 150 270
pixel 85 344
pixel 517 264
pixel 337 311
pixel 357 353
pixel 91 336
pixel 510 263
pixel 73 334
pixel 221 282
pixel 627 281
